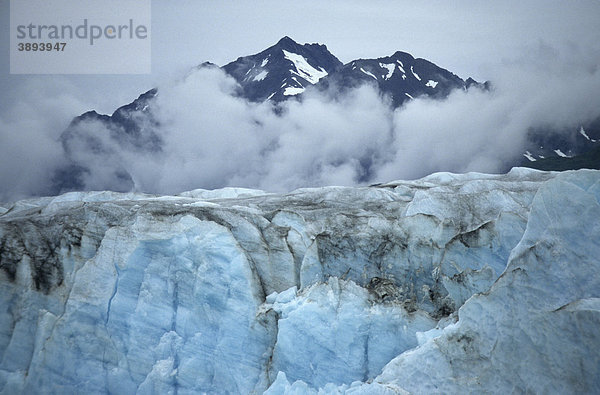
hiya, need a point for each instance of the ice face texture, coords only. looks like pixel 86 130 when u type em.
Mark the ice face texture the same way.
pixel 451 283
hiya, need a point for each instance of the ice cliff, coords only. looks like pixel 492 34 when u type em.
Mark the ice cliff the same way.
pixel 448 284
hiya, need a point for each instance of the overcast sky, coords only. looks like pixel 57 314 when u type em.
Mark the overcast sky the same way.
pixel 469 37
pixel 542 57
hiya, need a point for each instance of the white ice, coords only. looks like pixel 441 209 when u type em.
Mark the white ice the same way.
pixel 584 134
pixel 431 83
pixel 368 73
pixel 415 74
pixel 260 76
pixel 401 67
pixel 390 69
pixel 304 69
pixel 292 90
pixel 561 154
pixel 529 156
pixel 452 283
pixel 297 82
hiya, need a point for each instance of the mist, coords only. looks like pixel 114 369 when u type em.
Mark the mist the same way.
pixel 30 127
pixel 213 139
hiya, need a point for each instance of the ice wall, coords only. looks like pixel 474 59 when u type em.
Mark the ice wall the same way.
pixel 344 289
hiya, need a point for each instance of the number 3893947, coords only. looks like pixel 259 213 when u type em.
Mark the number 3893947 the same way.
pixel 41 47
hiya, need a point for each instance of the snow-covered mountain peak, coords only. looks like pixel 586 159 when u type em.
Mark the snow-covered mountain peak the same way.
pixel 286 42
pixel 288 69
pixel 400 76
pixel 282 70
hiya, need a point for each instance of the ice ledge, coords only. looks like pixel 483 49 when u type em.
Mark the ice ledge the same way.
pixel 223 193
pixel 159 283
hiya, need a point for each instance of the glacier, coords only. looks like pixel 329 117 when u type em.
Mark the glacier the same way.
pixel 452 283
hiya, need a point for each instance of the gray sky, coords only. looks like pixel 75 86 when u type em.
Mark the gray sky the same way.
pixel 469 37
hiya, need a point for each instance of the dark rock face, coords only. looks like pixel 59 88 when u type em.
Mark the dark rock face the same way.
pixel 272 74
pixel 132 127
pixel 578 148
pixel 400 76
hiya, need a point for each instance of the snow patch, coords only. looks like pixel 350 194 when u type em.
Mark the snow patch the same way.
pixel 529 156
pixel 292 91
pixel 561 154
pixel 401 66
pixel 223 193
pixel 409 95
pixel 304 69
pixel 431 83
pixel 415 74
pixel 367 73
pixel 390 67
pixel 260 76
pixel 264 62
pixel 298 82
pixel 584 134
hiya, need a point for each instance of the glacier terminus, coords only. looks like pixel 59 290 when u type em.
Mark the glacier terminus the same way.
pixel 454 283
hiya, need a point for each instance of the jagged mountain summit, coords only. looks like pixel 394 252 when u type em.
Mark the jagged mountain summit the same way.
pixel 132 126
pixel 400 76
pixel 449 284
pixel 283 70
pixel 287 69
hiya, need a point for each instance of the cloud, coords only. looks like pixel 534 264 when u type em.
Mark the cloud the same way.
pixel 324 141
pixel 550 89
pixel 218 140
pixel 29 129
pixel 210 138
pixel 214 139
